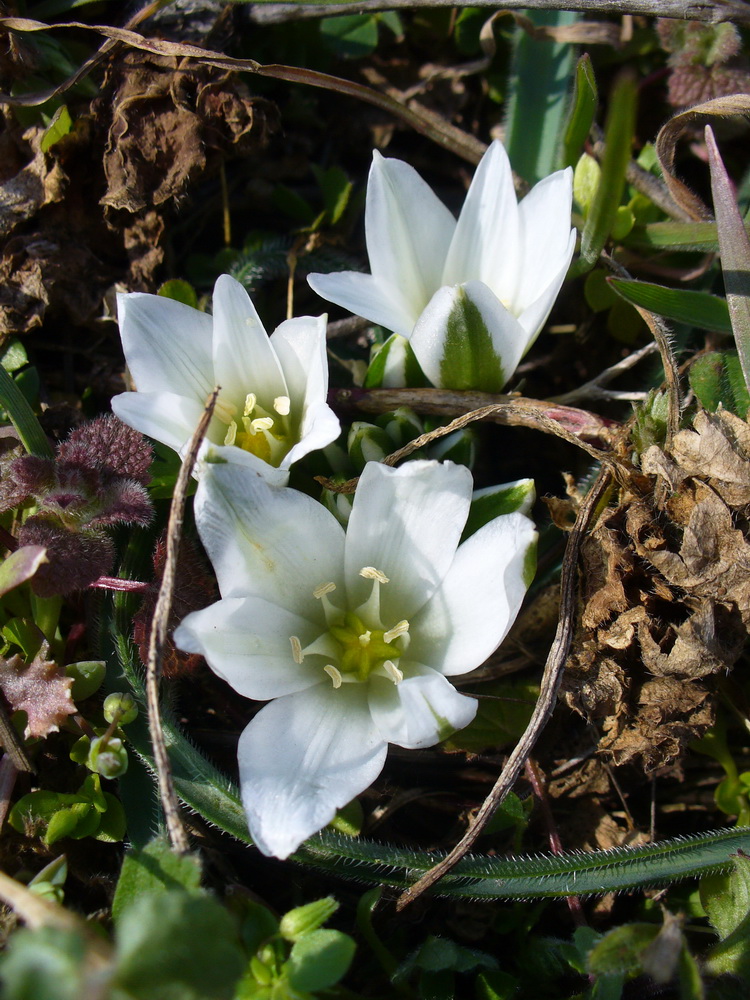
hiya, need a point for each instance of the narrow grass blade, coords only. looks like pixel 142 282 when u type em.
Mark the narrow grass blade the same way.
pixel 22 417
pixel 698 309
pixel 538 103
pixel 618 138
pixel 582 111
pixel 734 246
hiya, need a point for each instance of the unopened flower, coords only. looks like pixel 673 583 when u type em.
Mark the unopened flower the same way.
pixel 354 633
pixel 272 407
pixel 470 295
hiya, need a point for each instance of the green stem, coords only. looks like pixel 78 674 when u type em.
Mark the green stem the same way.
pixel 211 794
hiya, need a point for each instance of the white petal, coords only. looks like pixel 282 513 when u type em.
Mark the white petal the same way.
pixel 167 345
pixel 216 454
pixel 320 427
pixel 363 295
pixel 408 232
pixel 246 642
pixel 406 523
pixel 486 242
pixel 420 711
pixel 267 542
pixel 533 318
pixel 244 360
pixel 300 346
pixel 471 613
pixel 545 235
pixel 455 355
pixel 302 758
pixel 164 416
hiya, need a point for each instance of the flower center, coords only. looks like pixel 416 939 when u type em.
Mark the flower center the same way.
pixel 265 434
pixel 356 644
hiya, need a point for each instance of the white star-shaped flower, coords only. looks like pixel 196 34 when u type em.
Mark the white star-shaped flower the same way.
pixel 472 294
pixel 272 407
pixel 354 634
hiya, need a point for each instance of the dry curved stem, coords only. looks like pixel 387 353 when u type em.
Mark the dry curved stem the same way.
pixel 516 411
pixel 551 678
pixel 711 11
pixel 157 640
pixel 666 144
pixel 422 120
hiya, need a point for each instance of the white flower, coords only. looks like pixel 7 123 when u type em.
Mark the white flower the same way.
pixel 272 407
pixel 470 295
pixel 354 633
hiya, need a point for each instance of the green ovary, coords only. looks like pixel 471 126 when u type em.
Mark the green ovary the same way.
pixel 363 649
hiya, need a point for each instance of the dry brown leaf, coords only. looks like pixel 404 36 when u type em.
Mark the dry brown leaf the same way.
pixel 40 182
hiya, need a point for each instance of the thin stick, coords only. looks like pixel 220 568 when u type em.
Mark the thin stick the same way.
pixel 553 671
pixel 13 744
pixel 8 775
pixel 175 829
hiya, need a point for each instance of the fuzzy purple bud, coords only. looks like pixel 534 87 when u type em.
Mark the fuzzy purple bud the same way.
pixel 110 446
pixel 76 558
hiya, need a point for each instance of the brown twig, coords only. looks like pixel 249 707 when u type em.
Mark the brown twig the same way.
pixel 176 830
pixel 13 744
pixel 712 11
pixel 513 410
pixel 544 707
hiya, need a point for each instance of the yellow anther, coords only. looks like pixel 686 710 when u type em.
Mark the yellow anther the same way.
pixel 297 654
pixel 282 405
pixel 334 674
pixel 261 424
pixel 393 633
pixel 250 400
pixel 323 589
pixel 370 573
pixel 393 672
pixel 231 434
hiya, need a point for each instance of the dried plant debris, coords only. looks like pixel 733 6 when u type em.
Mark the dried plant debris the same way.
pixel 666 601
pixel 40 689
pixel 168 116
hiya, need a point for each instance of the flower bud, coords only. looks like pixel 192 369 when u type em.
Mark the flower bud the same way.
pixel 367 443
pixel 108 757
pixel 304 919
pixel 120 708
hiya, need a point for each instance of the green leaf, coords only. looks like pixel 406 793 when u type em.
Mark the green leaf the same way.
pixel 494 501
pixel 88 676
pixel 303 920
pixel 717 379
pixel 699 236
pixel 350 36
pixel 44 964
pixel 19 566
pixel 618 138
pixel 726 900
pixel 734 246
pixel 538 97
pixel 469 359
pixel 180 291
pixel 77 820
pixel 621 949
pixel 177 946
pixel 14 356
pixel 156 868
pixel 112 827
pixel 697 309
pixel 319 960
pixel 501 717
pixel 22 417
pixel 336 188
pixel 59 127
pixel 258 925
pixel 582 111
